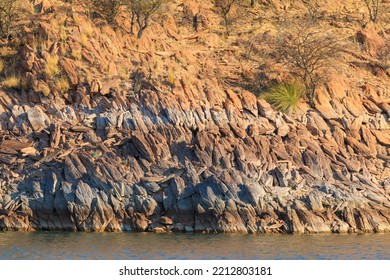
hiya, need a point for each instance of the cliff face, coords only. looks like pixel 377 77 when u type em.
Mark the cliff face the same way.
pixel 129 147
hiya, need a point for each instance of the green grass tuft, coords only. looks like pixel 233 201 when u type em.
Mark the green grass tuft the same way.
pixel 285 97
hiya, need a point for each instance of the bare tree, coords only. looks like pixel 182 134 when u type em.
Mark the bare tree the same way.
pixel 373 7
pixel 142 11
pixel 108 9
pixel 224 8
pixel 309 52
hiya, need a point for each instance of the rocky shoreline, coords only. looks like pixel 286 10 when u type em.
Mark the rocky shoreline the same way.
pixel 158 164
pixel 158 134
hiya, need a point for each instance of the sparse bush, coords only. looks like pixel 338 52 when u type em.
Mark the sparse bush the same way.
pixel 224 8
pixel 308 53
pixel 142 11
pixel 43 88
pixel 373 7
pixel 1 65
pixel 7 16
pixel 108 9
pixel 62 85
pixel 285 97
pixel 52 69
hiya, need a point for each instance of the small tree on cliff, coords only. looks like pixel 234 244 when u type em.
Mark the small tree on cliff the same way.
pixel 142 11
pixel 308 53
pixel 108 9
pixel 224 8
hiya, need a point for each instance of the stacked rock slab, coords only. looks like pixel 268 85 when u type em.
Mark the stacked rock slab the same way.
pixel 195 168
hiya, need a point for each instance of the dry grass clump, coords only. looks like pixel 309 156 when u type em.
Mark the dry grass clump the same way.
pixel 12 82
pixel 1 65
pixel 171 77
pixel 76 54
pixel 62 85
pixel 42 88
pixel 5 52
pixel 84 41
pixel 52 69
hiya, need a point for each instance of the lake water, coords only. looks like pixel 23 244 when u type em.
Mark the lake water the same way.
pixel 134 246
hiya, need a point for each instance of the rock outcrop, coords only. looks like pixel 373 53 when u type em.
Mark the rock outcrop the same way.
pixel 209 168
pixel 192 155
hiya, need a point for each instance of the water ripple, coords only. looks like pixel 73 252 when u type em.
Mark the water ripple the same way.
pixel 121 246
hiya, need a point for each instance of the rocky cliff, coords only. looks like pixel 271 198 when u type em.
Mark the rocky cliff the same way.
pixel 157 135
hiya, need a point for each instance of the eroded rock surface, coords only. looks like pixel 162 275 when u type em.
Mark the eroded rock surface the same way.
pixel 127 149
pixel 201 169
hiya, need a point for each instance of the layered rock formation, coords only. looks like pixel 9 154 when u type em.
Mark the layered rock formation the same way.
pixel 236 166
pixel 195 156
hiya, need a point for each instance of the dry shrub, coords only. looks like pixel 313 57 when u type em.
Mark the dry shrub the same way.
pixel 62 85
pixel 1 65
pixel 108 9
pixel 224 8
pixel 308 53
pixel 43 88
pixel 142 12
pixel 12 82
pixel 52 69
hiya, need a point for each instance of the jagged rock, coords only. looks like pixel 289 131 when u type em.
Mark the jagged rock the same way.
pixel 382 137
pixel 322 104
pixel 283 130
pixel 12 221
pixel 142 146
pixel 359 147
pixel 372 107
pixel 265 109
pixel 249 102
pixel 109 86
pixel 70 68
pixel 15 145
pixel 37 118
pixel 43 6
pixel 353 105
pixel 84 194
pixel 280 177
pixel 73 168
pixel 166 221
pixel 370 38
